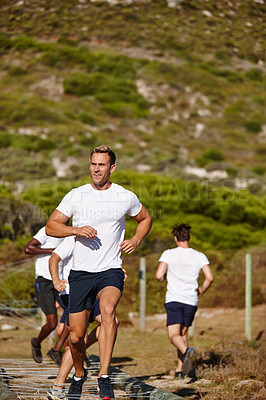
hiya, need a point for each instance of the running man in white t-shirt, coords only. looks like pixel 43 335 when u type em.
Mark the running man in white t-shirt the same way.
pixel 98 212
pixel 181 267
pixel 42 245
pixel 60 264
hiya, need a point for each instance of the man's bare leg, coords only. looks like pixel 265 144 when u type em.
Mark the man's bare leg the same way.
pixel 46 329
pixel 67 360
pixel 179 354
pixel 178 337
pixel 78 324
pixel 61 338
pixel 109 298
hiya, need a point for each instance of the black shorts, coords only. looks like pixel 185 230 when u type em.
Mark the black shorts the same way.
pixel 180 313
pixel 95 311
pixel 63 301
pixel 84 286
pixel 46 295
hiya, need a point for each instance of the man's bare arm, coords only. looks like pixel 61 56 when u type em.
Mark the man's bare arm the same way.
pixel 208 279
pixel 161 271
pixel 59 285
pixel 33 247
pixel 144 225
pixel 56 226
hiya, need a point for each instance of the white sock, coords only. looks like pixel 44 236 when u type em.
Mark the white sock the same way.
pixel 77 378
pixel 104 376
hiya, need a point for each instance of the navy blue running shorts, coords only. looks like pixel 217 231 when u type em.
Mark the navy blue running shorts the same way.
pixel 84 286
pixel 180 313
pixel 95 311
pixel 46 295
pixel 63 301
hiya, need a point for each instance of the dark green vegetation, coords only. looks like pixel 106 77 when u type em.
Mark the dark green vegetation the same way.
pixel 166 88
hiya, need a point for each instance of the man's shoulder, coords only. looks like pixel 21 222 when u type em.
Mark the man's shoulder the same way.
pixel 83 188
pixel 41 235
pixel 197 252
pixel 76 192
pixel 41 231
pixel 122 190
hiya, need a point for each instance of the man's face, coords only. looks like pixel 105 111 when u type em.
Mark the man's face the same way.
pixel 100 169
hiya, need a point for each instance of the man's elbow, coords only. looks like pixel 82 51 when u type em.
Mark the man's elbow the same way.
pixel 27 250
pixel 48 229
pixel 159 277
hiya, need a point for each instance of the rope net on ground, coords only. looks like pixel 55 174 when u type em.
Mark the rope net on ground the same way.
pixel 29 380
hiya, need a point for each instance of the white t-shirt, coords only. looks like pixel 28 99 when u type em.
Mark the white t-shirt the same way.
pixel 183 270
pixel 105 211
pixel 65 252
pixel 42 262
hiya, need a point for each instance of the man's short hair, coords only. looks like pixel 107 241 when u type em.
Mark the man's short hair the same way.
pixel 181 232
pixel 105 149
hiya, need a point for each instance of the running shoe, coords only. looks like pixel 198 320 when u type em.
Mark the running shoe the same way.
pixel 56 394
pixel 187 360
pixel 36 352
pixel 56 356
pixel 75 388
pixel 105 389
pixel 179 375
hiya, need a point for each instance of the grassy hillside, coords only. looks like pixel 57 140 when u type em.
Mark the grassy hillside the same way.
pixel 168 88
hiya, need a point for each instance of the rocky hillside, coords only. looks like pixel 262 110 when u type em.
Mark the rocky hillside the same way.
pixel 175 87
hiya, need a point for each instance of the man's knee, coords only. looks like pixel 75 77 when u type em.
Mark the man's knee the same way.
pixel 76 336
pixel 171 336
pixel 108 311
pixel 52 321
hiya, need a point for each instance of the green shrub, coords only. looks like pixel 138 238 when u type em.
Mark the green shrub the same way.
pixel 259 170
pixel 231 171
pixel 86 118
pixel 115 65
pixel 120 96
pixel 209 155
pixel 232 212
pixel 231 76
pixel 234 113
pixel 16 71
pixel 23 43
pixel 81 84
pixel 5 139
pixel 5 42
pixel 50 58
pixel 33 143
pixel 36 110
pixel 255 74
pixel 87 141
pixel 125 110
pixel 5 191
pixel 253 126
pixel 73 55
